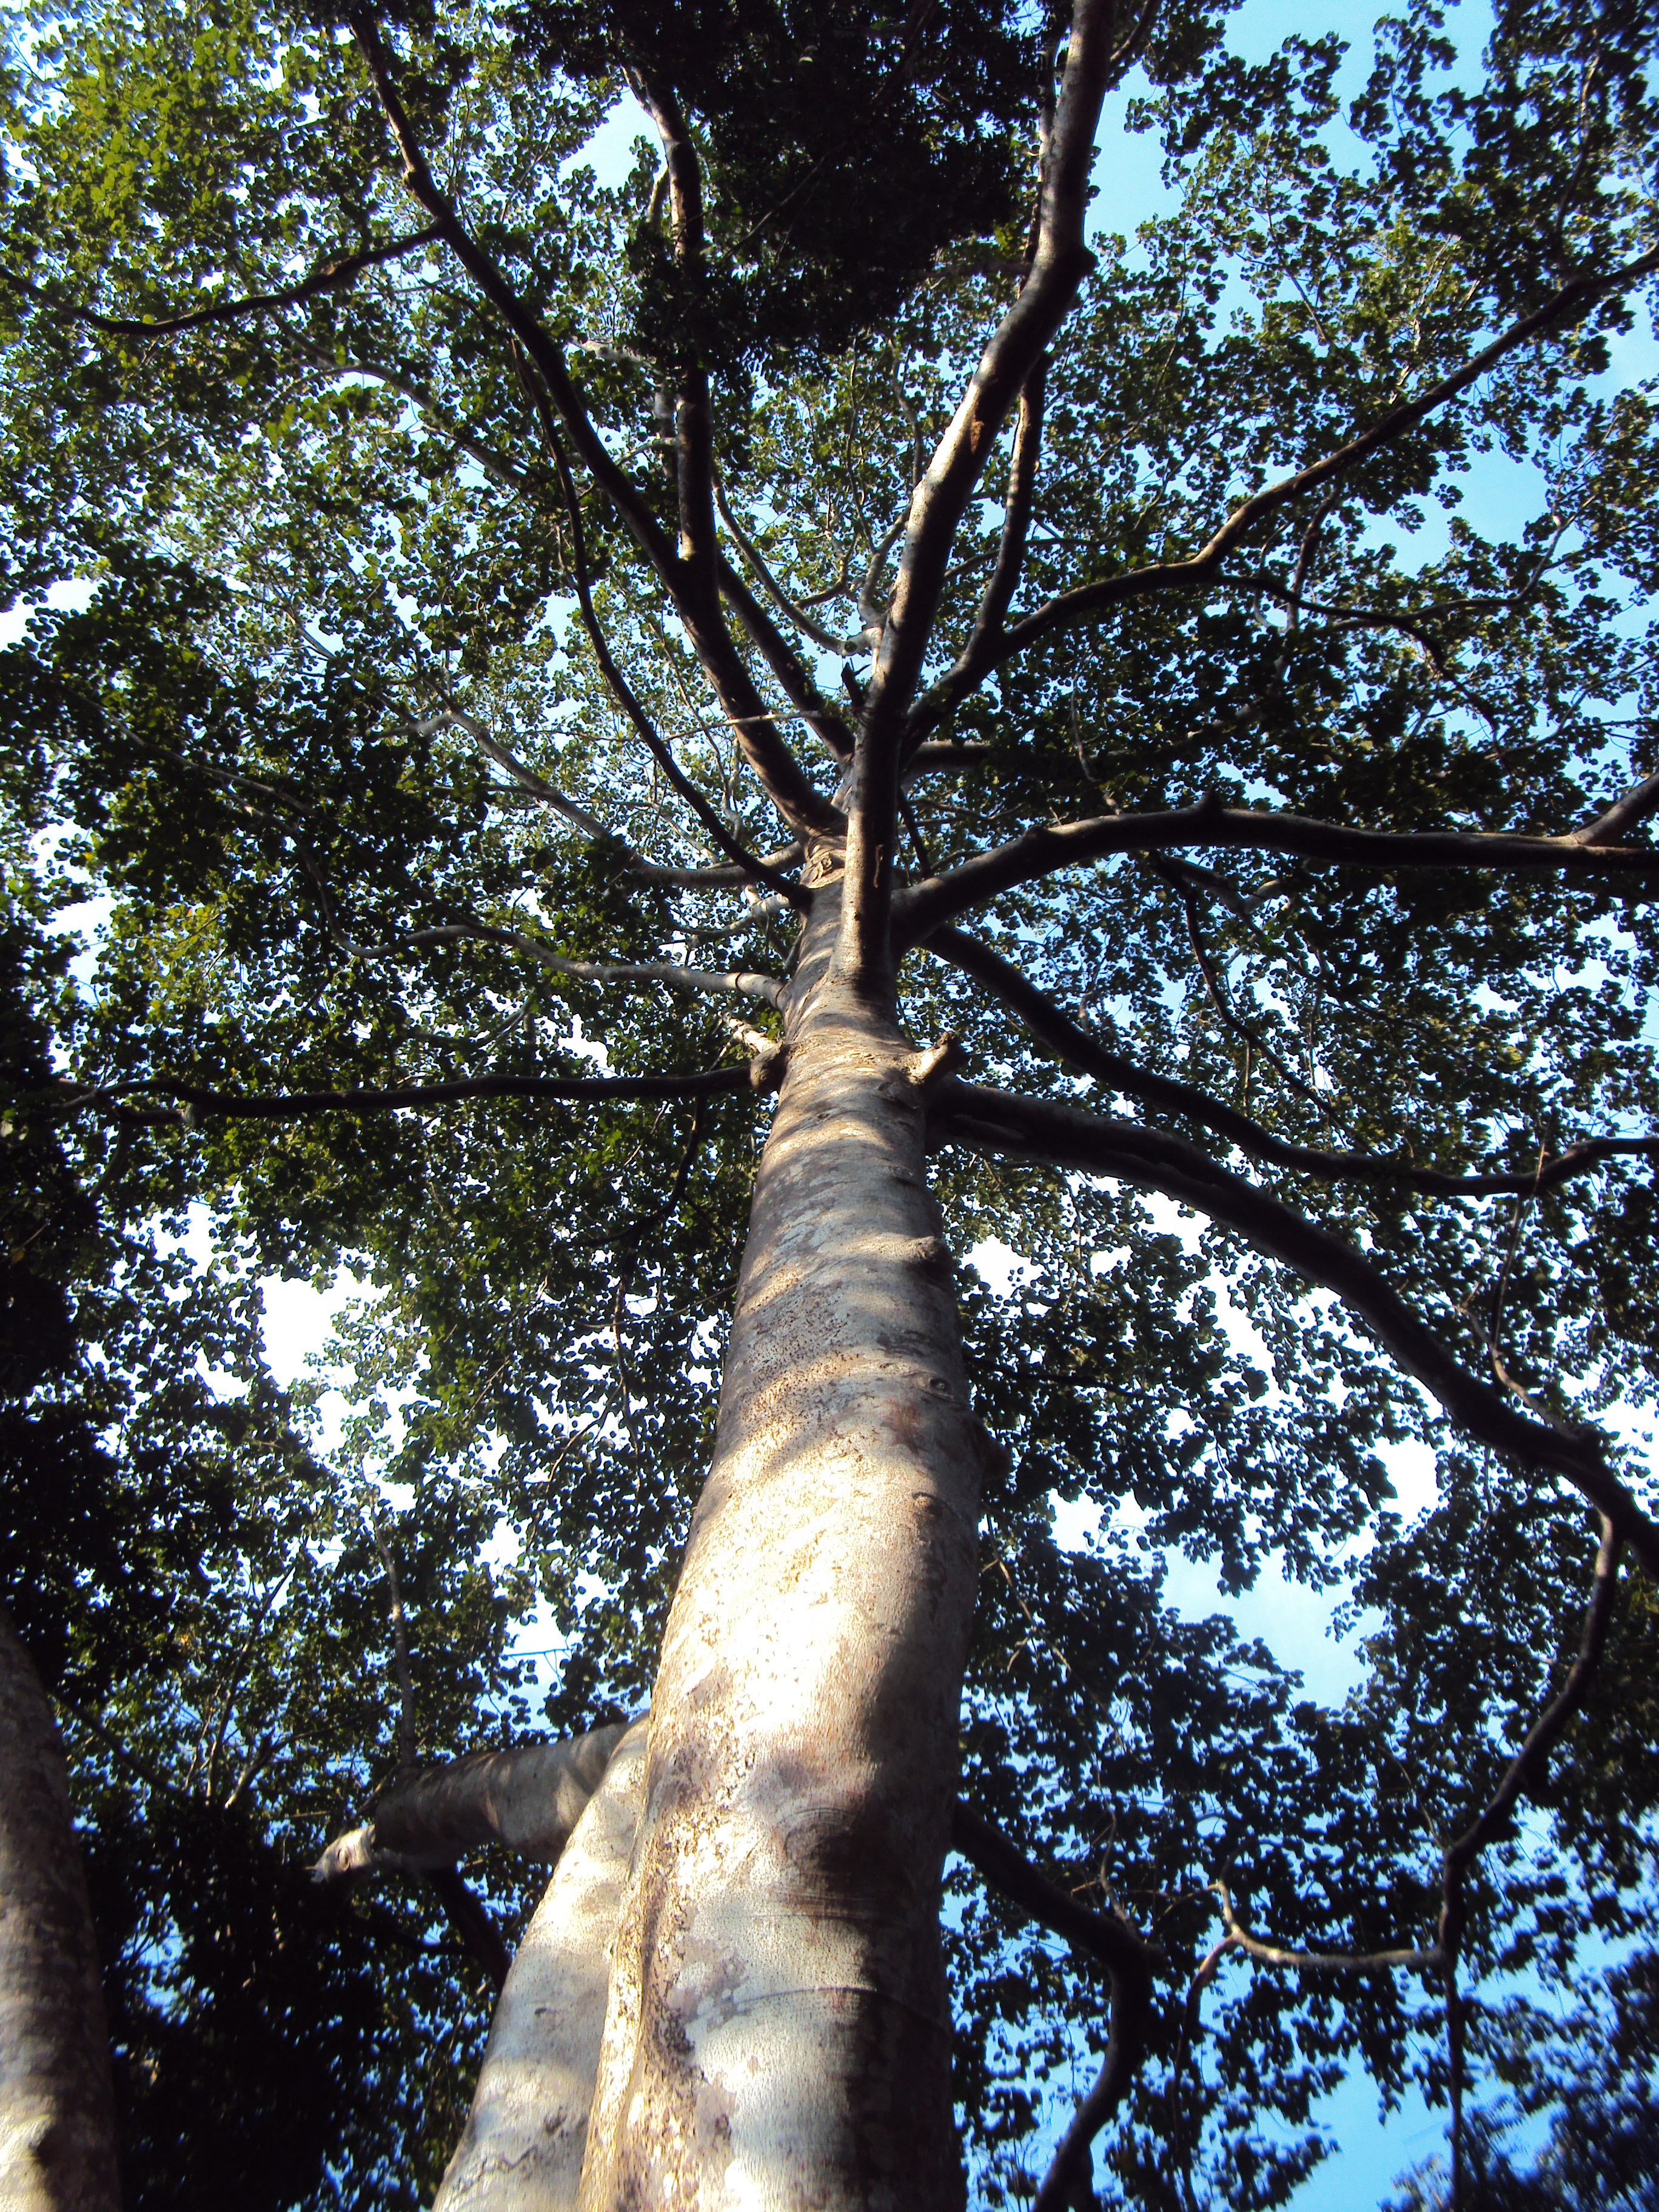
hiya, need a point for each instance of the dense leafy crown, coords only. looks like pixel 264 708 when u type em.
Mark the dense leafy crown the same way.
pixel 328 771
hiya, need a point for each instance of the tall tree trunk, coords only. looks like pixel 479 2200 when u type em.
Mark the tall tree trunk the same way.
pixel 778 2032
pixel 57 2107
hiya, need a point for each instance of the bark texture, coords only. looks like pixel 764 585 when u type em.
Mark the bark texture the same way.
pixel 778 2032
pixel 522 2148
pixel 529 1801
pixel 57 2106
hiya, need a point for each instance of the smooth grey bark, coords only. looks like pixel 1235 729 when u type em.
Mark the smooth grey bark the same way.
pixel 778 2032
pixel 526 2136
pixel 57 2105
pixel 528 1800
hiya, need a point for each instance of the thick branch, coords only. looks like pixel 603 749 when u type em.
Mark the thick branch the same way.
pixel 528 1800
pixel 1086 600
pixel 1055 1029
pixel 332 276
pixel 1017 345
pixel 694 421
pixel 918 910
pixel 1040 1130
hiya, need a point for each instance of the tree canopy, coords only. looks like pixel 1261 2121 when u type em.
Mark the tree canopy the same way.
pixel 511 595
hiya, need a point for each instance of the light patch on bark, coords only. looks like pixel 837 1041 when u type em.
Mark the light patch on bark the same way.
pixel 526 2136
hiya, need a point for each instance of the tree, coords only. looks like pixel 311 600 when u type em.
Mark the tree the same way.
pixel 474 546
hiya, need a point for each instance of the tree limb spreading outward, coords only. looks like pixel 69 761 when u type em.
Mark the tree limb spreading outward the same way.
pixel 686 576
pixel 920 909
pixel 1055 1029
pixel 332 276
pixel 1492 1821
pixel 199 1100
pixel 1003 1126
pixel 620 688
pixel 989 648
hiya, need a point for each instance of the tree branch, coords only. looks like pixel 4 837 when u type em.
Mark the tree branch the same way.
pixel 623 691
pixel 524 776
pixel 1004 1127
pixel 751 553
pixel 694 421
pixel 1494 1819
pixel 1057 269
pixel 1084 601
pixel 786 664
pixel 715 878
pixel 332 276
pixel 1626 813
pixel 695 599
pixel 297 1105
pixel 919 910
pixel 1129 1960
pixel 738 982
pixel 1054 1030
pixel 473 1922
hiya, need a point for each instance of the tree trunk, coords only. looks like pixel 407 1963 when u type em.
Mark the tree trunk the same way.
pixel 57 2107
pixel 522 2148
pixel 778 2032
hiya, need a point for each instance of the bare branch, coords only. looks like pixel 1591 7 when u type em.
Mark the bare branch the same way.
pixel 623 692
pixel 1494 1819
pixel 690 584
pixel 797 613
pixel 1055 1029
pixel 1321 1962
pixel 494 465
pixel 524 776
pixel 1004 1127
pixel 717 878
pixel 332 276
pixel 919 910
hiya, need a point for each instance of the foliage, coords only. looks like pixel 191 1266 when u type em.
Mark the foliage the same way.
pixel 299 743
